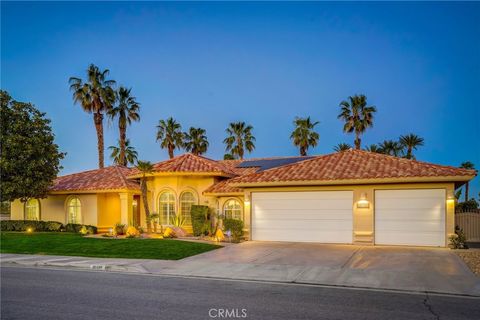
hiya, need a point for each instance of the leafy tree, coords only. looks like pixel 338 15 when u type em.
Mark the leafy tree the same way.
pixel 373 148
pixel 170 135
pixel 126 109
pixel 358 117
pixel 29 157
pixel 390 147
pixel 470 166
pixel 304 134
pixel 95 95
pixel 145 168
pixel 239 139
pixel 228 156
pixel 196 141
pixel 411 142
pixel 342 147
pixel 130 154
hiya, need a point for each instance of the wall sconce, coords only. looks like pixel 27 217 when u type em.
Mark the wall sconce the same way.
pixel 247 199
pixel 363 202
pixel 450 196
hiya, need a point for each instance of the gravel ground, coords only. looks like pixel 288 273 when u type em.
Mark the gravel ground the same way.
pixel 471 258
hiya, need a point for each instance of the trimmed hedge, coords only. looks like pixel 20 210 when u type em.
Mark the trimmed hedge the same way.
pixel 200 219
pixel 42 226
pixel 236 228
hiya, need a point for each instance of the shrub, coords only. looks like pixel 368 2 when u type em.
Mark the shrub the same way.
pixel 200 219
pixel 235 227
pixel 132 232
pixel 169 233
pixel 177 220
pixel 36 225
pixel 469 205
pixel 76 228
pixel 119 229
pixel 458 240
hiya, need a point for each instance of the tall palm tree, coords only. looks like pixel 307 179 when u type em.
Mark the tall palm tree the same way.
pixel 126 109
pixel 373 148
pixel 170 135
pixel 304 134
pixel 467 165
pixel 357 115
pixel 411 142
pixel 239 139
pixel 342 147
pixel 145 167
pixel 95 95
pixel 130 155
pixel 196 141
pixel 390 147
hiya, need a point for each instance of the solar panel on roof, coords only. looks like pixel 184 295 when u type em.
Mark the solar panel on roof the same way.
pixel 270 163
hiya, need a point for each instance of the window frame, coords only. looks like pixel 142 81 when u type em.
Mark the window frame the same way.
pixel 224 209
pixel 170 202
pixel 68 206
pixel 38 213
pixel 188 218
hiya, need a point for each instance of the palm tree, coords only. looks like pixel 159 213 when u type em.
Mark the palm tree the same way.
pixel 130 156
pixel 170 135
pixel 145 167
pixel 126 110
pixel 357 115
pixel 373 148
pixel 390 147
pixel 342 147
pixel 411 142
pixel 304 135
pixel 467 165
pixel 95 95
pixel 196 141
pixel 239 139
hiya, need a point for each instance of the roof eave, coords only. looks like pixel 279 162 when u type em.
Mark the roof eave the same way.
pixel 86 191
pixel 453 179
pixel 182 173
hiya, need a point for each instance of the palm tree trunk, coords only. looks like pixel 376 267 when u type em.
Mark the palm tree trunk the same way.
pixel 303 152
pixel 123 137
pixel 98 120
pixel 466 192
pixel 170 152
pixel 358 141
pixel 143 187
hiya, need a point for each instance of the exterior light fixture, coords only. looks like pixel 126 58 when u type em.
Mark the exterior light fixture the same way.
pixel 450 196
pixel 363 202
pixel 29 230
pixel 247 199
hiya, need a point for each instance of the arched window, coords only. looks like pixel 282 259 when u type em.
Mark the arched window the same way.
pixel 74 211
pixel 166 207
pixel 232 209
pixel 187 199
pixel 32 209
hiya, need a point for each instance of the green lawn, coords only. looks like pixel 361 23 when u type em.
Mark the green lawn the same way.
pixel 69 244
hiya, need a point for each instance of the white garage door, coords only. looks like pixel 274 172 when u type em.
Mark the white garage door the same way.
pixel 324 216
pixel 410 217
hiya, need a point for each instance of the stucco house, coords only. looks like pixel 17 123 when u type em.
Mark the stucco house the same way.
pixel 352 196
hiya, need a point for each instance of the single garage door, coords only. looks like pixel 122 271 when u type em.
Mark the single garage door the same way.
pixel 324 216
pixel 410 217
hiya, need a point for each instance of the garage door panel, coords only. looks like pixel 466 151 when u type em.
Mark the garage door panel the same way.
pixel 303 216
pixel 324 236
pixel 410 217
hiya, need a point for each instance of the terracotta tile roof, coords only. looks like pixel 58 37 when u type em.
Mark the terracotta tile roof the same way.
pixel 352 165
pixel 108 178
pixel 223 186
pixel 191 163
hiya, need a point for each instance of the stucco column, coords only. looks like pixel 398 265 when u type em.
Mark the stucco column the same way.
pixel 126 208
pixel 247 215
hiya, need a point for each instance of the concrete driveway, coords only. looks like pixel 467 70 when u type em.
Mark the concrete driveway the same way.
pixel 400 268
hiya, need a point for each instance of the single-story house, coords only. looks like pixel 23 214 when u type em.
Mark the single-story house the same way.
pixel 352 196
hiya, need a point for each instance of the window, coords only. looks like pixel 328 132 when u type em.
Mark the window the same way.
pixel 5 207
pixel 232 209
pixel 32 209
pixel 166 207
pixel 187 199
pixel 74 211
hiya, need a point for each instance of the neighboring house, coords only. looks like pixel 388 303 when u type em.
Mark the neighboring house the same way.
pixel 352 196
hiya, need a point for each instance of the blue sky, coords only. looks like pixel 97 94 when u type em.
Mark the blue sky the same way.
pixel 208 64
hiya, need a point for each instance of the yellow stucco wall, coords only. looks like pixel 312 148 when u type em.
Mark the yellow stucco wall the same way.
pixel 54 208
pixel 363 218
pixel 108 207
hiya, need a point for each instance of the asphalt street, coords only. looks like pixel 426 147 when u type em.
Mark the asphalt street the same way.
pixel 35 293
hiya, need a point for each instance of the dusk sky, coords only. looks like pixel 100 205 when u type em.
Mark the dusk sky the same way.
pixel 208 64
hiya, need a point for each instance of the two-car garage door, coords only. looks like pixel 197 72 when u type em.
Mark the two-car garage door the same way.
pixel 324 216
pixel 402 217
